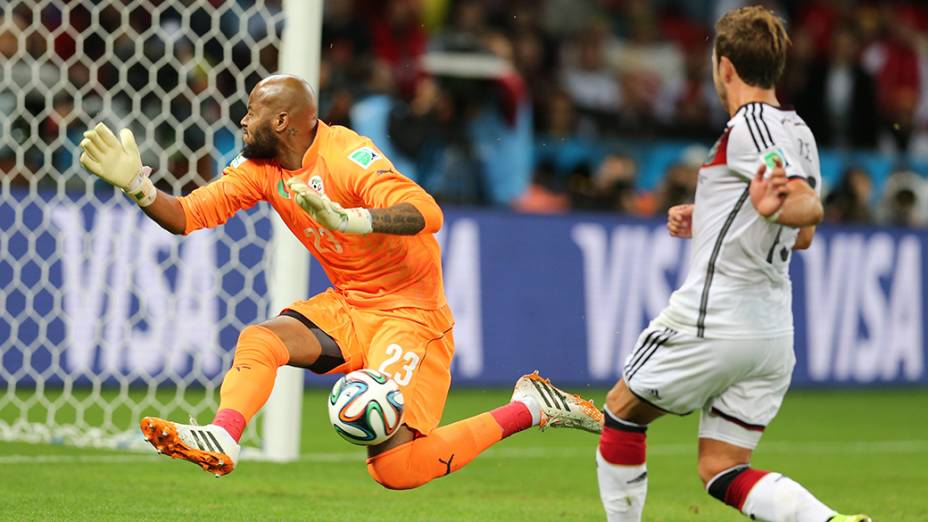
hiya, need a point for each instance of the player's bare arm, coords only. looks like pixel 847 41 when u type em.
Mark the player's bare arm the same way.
pixel 680 221
pixel 802 206
pixel 804 239
pixel 167 211
pixel 402 219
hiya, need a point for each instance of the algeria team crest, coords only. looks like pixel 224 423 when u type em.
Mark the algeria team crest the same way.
pixel 315 183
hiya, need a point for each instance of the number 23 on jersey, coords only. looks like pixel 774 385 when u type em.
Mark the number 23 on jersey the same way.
pixel 409 361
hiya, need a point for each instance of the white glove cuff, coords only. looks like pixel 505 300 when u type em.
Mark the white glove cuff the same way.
pixel 358 221
pixel 141 189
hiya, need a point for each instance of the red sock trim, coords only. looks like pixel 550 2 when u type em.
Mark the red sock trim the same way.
pixel 233 422
pixel 625 448
pixel 512 418
pixel 740 487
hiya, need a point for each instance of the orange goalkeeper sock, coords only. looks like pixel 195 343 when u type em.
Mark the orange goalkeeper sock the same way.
pixel 447 449
pixel 248 384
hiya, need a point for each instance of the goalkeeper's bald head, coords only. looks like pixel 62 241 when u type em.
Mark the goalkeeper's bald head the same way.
pixel 281 119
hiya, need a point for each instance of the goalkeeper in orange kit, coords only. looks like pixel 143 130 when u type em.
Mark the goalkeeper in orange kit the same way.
pixel 372 230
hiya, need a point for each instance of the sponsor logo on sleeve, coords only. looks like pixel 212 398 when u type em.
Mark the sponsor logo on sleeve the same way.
pixel 364 156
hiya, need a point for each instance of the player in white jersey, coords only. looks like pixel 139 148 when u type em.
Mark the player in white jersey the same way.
pixel 724 345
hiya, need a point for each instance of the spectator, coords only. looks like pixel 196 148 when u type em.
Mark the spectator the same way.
pixel 905 200
pixel 611 188
pixel 893 60
pixel 545 195
pixel 563 141
pixel 584 73
pixel 838 99
pixel 398 38
pixel 588 80
pixel 687 107
pixel 646 62
pixel 679 183
pixel 849 201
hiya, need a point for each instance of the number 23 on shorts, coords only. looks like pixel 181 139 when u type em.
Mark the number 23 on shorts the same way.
pixel 402 372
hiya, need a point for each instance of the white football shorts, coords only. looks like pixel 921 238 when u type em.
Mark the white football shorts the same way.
pixel 738 384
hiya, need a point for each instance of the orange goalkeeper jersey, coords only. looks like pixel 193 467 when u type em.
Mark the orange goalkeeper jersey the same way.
pixel 376 270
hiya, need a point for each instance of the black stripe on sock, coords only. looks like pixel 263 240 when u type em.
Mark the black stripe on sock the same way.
pixel 719 485
pixel 215 442
pixel 618 424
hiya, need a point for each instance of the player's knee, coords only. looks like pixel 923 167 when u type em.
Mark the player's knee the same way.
pixel 623 403
pixel 392 471
pixel 260 345
pixel 710 466
pixel 251 330
pixel 615 397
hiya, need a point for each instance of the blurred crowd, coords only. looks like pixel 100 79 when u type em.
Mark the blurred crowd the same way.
pixel 536 105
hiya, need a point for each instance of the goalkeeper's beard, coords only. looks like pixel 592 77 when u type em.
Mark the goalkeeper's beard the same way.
pixel 264 144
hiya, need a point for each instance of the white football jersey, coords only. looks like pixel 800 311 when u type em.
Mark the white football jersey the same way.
pixel 738 282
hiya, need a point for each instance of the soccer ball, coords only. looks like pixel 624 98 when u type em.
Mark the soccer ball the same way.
pixel 366 407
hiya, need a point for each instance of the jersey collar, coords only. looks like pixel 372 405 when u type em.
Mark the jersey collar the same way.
pixel 312 153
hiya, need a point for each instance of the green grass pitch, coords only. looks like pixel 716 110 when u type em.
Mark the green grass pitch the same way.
pixel 857 450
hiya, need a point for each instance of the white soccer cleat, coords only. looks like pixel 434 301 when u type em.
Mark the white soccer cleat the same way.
pixel 210 447
pixel 559 409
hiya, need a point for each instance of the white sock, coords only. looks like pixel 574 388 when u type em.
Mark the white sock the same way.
pixel 623 489
pixel 533 407
pixel 777 498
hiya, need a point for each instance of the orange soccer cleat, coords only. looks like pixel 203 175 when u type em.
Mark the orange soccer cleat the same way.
pixel 559 409
pixel 210 447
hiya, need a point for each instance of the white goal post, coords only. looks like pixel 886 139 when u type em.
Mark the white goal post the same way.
pixel 104 317
pixel 299 55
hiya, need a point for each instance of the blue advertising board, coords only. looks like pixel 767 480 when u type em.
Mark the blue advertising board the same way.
pixel 103 289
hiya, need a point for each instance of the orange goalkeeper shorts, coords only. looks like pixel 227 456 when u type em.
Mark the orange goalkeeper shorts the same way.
pixel 411 345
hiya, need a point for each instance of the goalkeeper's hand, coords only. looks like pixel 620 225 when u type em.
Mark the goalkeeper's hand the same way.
pixel 119 164
pixel 328 213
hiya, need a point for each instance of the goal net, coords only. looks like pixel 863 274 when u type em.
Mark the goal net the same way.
pixel 104 317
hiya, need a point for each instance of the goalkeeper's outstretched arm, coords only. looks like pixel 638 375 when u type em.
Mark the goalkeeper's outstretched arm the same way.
pixel 167 211
pixel 117 161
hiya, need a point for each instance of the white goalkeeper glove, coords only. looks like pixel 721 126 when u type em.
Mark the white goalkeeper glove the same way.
pixel 328 213
pixel 119 164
